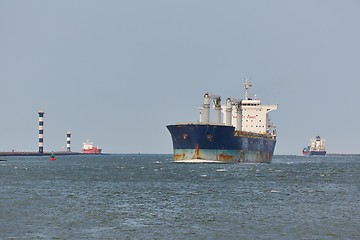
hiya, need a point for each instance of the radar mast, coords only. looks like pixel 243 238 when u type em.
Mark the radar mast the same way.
pixel 247 86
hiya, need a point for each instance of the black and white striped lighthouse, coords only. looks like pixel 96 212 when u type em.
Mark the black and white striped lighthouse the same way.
pixel 41 132
pixel 68 136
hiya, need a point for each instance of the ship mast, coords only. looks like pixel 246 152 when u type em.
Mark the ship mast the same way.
pixel 247 86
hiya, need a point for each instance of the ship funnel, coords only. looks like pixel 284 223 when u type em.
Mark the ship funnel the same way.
pixel 205 112
pixel 41 132
pixel 228 112
pixel 68 136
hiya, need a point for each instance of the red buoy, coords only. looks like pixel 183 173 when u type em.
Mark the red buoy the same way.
pixel 52 157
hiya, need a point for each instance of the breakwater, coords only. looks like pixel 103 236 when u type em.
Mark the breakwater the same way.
pixel 13 153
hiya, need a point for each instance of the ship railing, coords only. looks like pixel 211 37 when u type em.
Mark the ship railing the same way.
pixel 200 123
pixel 254 135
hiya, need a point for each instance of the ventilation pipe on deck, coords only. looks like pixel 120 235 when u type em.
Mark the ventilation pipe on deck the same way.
pixel 217 107
pixel 205 111
pixel 228 112
pixel 238 115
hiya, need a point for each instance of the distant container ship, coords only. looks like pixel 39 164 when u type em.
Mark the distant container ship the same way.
pixel 245 134
pixel 316 147
pixel 89 148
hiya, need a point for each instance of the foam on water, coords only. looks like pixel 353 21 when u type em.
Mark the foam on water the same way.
pixel 221 170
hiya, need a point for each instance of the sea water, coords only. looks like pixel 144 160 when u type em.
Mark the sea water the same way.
pixel 151 197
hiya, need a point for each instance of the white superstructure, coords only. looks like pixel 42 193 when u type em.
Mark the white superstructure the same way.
pixel 317 144
pixel 88 145
pixel 247 115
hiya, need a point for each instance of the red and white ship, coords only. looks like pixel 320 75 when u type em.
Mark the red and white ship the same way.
pixel 89 148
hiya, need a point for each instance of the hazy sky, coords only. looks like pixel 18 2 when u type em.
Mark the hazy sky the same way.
pixel 118 72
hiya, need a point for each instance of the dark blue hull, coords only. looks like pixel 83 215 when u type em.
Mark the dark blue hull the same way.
pixel 314 153
pixel 317 153
pixel 219 143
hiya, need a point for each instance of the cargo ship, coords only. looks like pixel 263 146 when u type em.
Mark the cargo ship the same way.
pixel 88 148
pixel 316 147
pixel 241 132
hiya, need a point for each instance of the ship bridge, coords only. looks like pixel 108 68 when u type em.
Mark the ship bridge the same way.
pixel 248 115
pixel 250 102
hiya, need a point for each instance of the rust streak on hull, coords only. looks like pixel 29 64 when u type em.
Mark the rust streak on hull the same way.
pixel 197 152
pixel 225 157
pixel 179 156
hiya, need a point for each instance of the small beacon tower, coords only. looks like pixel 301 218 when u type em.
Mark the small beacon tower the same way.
pixel 41 132
pixel 68 136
